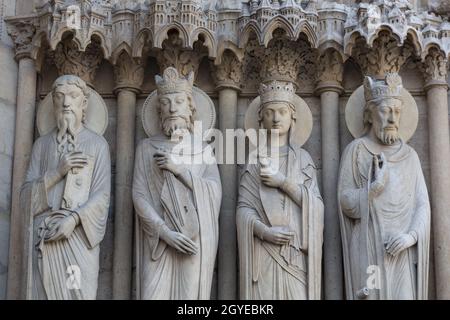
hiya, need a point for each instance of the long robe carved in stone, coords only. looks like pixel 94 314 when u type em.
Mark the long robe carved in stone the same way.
pixel 384 206
pixel 401 208
pixel 66 267
pixel 290 269
pixel 176 250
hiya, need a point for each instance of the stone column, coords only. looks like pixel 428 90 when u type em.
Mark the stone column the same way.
pixel 227 78
pixel 129 76
pixel 23 143
pixel 329 88
pixel 439 141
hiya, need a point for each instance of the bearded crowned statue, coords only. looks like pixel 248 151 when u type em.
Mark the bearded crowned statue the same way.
pixel 66 195
pixel 384 208
pixel 280 210
pixel 177 195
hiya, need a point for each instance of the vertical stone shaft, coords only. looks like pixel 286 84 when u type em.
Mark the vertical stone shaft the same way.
pixel 227 267
pixel 123 221
pixel 440 184
pixel 23 143
pixel 333 272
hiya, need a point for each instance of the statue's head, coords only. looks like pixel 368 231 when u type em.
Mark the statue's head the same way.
pixel 176 104
pixel 70 100
pixel 383 107
pixel 277 110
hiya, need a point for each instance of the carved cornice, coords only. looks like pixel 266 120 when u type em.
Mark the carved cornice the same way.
pixel 145 25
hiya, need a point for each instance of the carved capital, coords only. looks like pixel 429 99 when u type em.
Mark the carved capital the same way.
pixel 229 73
pixel 174 55
pixel 22 34
pixel 435 68
pixel 70 60
pixel 384 57
pixel 128 73
pixel 329 72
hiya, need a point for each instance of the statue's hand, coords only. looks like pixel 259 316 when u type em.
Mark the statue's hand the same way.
pixel 179 242
pixel 274 180
pixel 75 159
pixel 380 175
pixel 400 243
pixel 64 229
pixel 278 235
pixel 165 162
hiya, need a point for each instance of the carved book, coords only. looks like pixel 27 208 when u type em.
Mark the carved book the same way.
pixel 78 185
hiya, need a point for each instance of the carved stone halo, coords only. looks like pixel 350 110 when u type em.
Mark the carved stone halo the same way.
pixel 303 125
pixel 354 114
pixel 206 113
pixel 96 114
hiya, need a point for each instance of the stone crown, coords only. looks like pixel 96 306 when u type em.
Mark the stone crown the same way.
pixel 171 82
pixel 277 91
pixel 391 87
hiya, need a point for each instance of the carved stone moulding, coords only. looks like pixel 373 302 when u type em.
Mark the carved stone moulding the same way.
pixel 138 27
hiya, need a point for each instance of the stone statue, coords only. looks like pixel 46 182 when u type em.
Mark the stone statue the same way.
pixel 280 210
pixel 177 199
pixel 66 195
pixel 384 208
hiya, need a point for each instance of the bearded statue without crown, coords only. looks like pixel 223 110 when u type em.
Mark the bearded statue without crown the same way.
pixel 280 210
pixel 177 202
pixel 384 208
pixel 66 196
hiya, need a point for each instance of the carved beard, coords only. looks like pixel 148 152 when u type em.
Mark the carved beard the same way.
pixel 66 132
pixel 388 136
pixel 171 124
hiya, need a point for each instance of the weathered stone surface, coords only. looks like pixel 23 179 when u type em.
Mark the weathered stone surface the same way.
pixel 216 42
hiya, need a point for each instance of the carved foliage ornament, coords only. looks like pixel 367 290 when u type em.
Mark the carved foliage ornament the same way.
pixel 69 60
pixel 282 60
pixel 435 67
pixel 128 73
pixel 229 72
pixel 384 57
pixel 22 34
pixel 330 68
pixel 183 60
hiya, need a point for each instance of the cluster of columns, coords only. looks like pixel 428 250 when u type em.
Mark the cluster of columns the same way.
pixel 129 77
